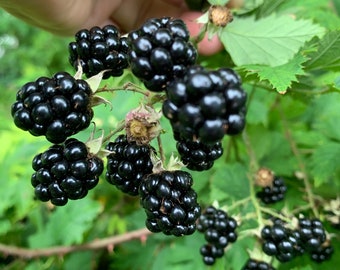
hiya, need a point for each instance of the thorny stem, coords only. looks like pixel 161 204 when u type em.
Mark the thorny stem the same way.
pixel 297 154
pixel 127 87
pixel 119 128
pixel 108 242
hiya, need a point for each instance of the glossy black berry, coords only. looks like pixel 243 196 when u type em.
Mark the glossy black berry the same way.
pixel 312 234
pixel 99 49
pixel 128 164
pixel 169 202
pixel 274 193
pixel 159 51
pixel 55 107
pixel 198 156
pixel 252 264
pixel 64 172
pixel 281 242
pixel 218 229
pixel 202 106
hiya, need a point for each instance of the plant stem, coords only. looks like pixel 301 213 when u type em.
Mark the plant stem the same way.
pixel 253 168
pixel 28 253
pixel 297 154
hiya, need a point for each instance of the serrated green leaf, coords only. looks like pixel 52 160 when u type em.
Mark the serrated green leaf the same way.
pixel 323 163
pixel 67 224
pixel 327 56
pixel 271 41
pixel 230 181
pixel 280 77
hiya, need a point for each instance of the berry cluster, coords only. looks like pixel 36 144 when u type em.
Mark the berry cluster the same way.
pixel 169 202
pixel 253 264
pixel 65 171
pixel 219 231
pixel 127 164
pixel 56 107
pixel 205 105
pixel 198 156
pixel 99 49
pixel 313 238
pixel 281 242
pixel 274 192
pixel 285 244
pixel 159 51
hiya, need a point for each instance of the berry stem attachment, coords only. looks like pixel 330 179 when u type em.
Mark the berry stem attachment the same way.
pixel 160 149
pixel 120 127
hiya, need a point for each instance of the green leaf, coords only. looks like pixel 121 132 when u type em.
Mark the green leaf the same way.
pixel 271 41
pixel 280 77
pixel 230 181
pixel 327 56
pixel 67 224
pixel 323 164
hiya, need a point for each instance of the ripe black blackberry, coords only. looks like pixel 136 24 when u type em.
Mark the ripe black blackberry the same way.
pixel 321 254
pixel 281 242
pixel 99 49
pixel 253 264
pixel 205 105
pixel 312 233
pixel 219 230
pixel 210 253
pixel 273 193
pixel 128 164
pixel 198 156
pixel 160 51
pixel 55 107
pixel 65 171
pixel 169 202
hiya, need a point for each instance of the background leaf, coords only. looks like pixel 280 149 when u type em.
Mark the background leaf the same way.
pixel 327 56
pixel 271 41
pixel 67 224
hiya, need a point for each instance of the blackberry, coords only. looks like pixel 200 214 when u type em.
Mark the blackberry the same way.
pixel 205 105
pixel 198 156
pixel 253 264
pixel 97 49
pixel 219 230
pixel 160 51
pixel 313 234
pixel 128 164
pixel 273 193
pixel 210 253
pixel 55 107
pixel 65 171
pixel 281 242
pixel 169 202
pixel 321 254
